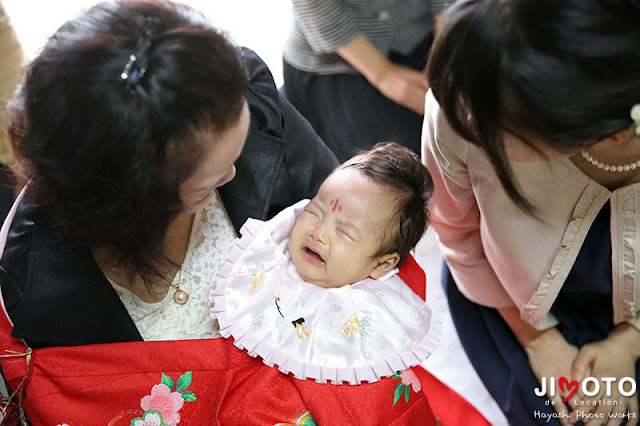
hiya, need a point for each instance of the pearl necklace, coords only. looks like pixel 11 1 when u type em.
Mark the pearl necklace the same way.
pixel 609 167
pixel 180 296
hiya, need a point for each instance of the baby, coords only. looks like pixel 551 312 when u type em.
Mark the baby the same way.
pixel 365 218
pixel 328 267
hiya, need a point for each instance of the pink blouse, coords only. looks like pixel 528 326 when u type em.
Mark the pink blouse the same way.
pixel 500 256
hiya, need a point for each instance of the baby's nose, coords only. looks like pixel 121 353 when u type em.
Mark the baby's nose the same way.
pixel 319 233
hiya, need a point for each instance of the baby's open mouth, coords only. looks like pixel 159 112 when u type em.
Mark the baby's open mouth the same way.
pixel 312 256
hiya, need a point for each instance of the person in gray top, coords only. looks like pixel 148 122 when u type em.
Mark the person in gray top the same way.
pixel 355 69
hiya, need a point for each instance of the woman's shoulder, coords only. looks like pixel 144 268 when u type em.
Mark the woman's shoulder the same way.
pixel 283 159
pixel 255 66
pixel 437 133
pixel 53 290
pixel 262 94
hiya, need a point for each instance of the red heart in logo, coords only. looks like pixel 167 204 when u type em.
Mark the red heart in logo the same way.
pixel 566 385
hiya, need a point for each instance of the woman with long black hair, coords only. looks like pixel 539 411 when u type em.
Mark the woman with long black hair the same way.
pixel 532 135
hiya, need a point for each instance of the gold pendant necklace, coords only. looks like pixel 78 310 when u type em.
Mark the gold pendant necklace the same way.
pixel 180 296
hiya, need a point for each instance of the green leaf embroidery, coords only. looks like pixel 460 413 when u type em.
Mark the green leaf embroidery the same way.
pixel 406 394
pixel 189 396
pixel 398 392
pixel 166 380
pixel 397 375
pixel 184 381
pixel 310 422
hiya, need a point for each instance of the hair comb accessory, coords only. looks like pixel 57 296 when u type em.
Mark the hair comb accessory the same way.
pixel 136 67
pixel 635 116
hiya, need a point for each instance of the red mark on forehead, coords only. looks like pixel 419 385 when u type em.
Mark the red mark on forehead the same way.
pixel 335 204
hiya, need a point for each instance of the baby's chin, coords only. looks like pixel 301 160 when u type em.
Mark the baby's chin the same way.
pixel 320 282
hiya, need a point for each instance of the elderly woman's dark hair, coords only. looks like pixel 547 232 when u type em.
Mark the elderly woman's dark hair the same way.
pixel 106 138
pixel 399 170
pixel 565 71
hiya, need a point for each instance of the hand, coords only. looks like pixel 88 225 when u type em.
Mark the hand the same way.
pixel 404 86
pixel 550 355
pixel 614 356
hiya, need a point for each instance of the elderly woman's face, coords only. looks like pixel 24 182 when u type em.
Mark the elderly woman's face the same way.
pixel 216 166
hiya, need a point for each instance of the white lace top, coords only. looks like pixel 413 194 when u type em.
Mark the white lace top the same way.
pixel 211 236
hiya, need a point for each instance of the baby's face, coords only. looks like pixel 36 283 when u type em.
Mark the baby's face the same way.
pixel 335 237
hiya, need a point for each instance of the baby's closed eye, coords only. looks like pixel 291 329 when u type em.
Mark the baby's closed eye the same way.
pixel 345 233
pixel 311 213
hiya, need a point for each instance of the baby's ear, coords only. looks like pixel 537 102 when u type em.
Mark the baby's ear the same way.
pixel 385 264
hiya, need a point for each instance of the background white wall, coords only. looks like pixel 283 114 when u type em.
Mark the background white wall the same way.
pixel 258 24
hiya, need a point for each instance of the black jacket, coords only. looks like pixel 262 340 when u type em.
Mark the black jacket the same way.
pixel 54 291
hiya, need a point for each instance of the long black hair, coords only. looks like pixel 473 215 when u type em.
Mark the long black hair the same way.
pixel 566 71
pixel 106 152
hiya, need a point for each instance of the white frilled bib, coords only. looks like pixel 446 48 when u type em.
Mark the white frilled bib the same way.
pixel 356 333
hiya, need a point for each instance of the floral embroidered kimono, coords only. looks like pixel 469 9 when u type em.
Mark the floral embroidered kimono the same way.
pixel 192 382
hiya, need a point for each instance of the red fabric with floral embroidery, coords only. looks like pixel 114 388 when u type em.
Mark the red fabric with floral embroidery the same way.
pixel 190 382
pixel 201 382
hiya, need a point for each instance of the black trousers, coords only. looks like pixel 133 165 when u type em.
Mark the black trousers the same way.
pixel 348 113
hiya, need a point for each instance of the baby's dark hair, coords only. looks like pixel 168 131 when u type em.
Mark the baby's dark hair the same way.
pixel 399 170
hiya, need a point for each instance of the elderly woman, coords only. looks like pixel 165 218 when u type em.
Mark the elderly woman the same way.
pixel 532 133
pixel 127 126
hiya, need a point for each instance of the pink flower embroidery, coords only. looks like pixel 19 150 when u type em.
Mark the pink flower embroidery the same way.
pixel 164 401
pixel 408 377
